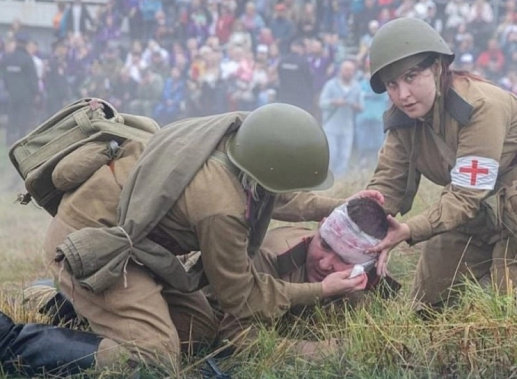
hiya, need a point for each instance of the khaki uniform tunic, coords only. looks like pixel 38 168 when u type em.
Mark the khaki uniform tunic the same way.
pixel 145 315
pixel 482 122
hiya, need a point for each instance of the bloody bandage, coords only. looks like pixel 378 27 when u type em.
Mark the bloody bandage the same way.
pixel 345 237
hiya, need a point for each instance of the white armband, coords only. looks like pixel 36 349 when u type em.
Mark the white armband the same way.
pixel 475 172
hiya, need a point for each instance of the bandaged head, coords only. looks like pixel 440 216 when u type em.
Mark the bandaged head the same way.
pixel 346 238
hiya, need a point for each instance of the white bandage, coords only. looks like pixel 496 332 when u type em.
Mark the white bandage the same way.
pixel 345 237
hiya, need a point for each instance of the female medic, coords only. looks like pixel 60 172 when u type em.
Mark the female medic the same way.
pixel 460 132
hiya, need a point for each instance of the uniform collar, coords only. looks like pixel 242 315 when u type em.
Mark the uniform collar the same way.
pixel 459 109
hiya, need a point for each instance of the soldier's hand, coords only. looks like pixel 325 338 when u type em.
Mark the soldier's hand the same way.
pixel 397 233
pixel 340 283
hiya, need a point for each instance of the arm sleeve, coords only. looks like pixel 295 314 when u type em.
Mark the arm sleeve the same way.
pixel 326 97
pixel 391 175
pixel 303 206
pixel 240 290
pixel 483 137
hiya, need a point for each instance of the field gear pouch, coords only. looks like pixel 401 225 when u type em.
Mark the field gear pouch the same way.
pixel 89 119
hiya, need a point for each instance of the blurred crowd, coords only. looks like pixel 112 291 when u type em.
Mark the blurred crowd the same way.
pixel 169 59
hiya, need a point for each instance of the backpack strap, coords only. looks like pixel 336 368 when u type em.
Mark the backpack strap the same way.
pixel 222 158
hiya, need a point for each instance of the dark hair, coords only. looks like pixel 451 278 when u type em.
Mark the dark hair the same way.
pixel 448 76
pixel 369 216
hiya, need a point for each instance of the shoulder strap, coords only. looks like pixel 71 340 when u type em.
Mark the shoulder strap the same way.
pixel 447 152
pixel 222 158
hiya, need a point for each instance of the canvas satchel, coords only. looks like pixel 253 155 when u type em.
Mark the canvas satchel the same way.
pixel 89 119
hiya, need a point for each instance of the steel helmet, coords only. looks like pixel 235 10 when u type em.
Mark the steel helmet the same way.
pixel 283 148
pixel 402 38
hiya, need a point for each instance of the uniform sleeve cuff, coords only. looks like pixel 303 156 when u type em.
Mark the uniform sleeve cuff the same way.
pixel 305 294
pixel 420 229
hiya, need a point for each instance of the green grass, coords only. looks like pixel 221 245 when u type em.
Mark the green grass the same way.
pixel 377 339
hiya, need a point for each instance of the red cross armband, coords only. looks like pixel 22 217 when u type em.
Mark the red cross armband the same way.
pixel 475 172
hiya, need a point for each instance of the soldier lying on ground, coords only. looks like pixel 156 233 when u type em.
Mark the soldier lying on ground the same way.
pixel 298 254
pixel 210 184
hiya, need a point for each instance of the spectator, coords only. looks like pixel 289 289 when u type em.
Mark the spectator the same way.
pixel 321 62
pixel 152 48
pixel 165 31
pixel 252 21
pixel 295 78
pixel 369 133
pixel 124 89
pixel 240 83
pixel 457 13
pixel 77 19
pixel 421 8
pixel 292 10
pixel 510 10
pixel 504 28
pixel 148 11
pixel 212 6
pixel 171 105
pixel 384 16
pixel 240 36
pixel 136 65
pixel 14 29
pixel 282 28
pixel 199 20
pixel 366 41
pixel 159 65
pixel 509 81
pixel 262 84
pixel 273 56
pixel 480 21
pixel 491 60
pixel 510 44
pixel 405 9
pixel 39 64
pixel 79 57
pixel 224 24
pixel 213 43
pixel 191 48
pixel 339 19
pixel 96 83
pixel 57 20
pixel 465 62
pixel 134 17
pixel 340 100
pixel 266 37
pixel 213 90
pixel 111 63
pixel 148 93
pixel 433 19
pixel 362 20
pixel 21 82
pixel 107 32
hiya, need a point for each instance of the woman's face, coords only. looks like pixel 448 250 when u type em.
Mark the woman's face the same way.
pixel 414 91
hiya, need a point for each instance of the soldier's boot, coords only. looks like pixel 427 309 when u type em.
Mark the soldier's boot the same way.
pixel 32 349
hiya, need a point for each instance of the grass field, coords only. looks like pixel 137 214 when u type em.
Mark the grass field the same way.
pixel 378 339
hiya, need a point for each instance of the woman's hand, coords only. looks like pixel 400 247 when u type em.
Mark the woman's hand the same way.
pixel 372 194
pixel 397 232
pixel 339 283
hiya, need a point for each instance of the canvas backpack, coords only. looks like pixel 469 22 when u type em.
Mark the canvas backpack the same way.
pixel 89 119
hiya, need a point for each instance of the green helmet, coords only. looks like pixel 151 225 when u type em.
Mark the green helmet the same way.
pixel 402 38
pixel 283 148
